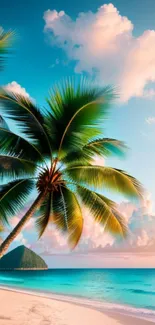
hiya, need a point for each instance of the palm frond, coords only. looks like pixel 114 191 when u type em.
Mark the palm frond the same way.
pixel 28 118
pixel 77 114
pixel 106 147
pixel 12 166
pixel 1 228
pixel 6 39
pixel 102 147
pixel 44 215
pixel 67 214
pixel 79 157
pixel 105 178
pixel 13 197
pixel 3 123
pixel 13 144
pixel 104 211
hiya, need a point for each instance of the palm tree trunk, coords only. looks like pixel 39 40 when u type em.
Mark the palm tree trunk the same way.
pixel 14 233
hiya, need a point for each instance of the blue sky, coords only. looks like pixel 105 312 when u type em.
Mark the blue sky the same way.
pixel 37 63
pixel 31 67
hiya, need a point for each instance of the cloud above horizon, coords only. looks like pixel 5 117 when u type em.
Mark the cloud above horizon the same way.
pixel 96 248
pixel 103 45
pixel 16 88
pixel 94 240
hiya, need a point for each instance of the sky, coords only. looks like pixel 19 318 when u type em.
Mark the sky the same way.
pixel 115 44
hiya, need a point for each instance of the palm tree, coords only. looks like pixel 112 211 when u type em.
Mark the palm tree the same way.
pixel 5 43
pixel 53 152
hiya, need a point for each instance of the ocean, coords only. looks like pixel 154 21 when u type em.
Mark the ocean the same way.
pixel 127 290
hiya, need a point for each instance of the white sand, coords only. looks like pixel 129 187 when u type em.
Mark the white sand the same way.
pixel 18 308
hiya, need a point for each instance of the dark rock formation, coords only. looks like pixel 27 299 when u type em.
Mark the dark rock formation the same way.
pixel 22 258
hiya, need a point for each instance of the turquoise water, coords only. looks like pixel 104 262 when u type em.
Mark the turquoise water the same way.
pixel 127 287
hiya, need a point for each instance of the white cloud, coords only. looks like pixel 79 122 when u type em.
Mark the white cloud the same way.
pixel 103 43
pixel 28 226
pixel 140 219
pixel 20 239
pixel 143 239
pixel 15 87
pixel 150 120
pixel 141 222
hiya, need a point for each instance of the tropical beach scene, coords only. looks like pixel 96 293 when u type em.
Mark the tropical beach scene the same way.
pixel 77 162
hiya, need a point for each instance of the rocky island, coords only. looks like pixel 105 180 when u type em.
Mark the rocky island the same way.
pixel 22 258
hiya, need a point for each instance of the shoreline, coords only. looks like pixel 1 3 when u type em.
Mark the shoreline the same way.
pixel 109 310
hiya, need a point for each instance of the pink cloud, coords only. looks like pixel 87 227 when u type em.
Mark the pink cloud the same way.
pixel 17 88
pixel 102 260
pixel 103 43
pixel 141 222
pixel 99 161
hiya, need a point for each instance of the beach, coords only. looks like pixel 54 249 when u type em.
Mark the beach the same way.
pixel 23 308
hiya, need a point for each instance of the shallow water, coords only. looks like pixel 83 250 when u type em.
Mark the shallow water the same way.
pixel 125 287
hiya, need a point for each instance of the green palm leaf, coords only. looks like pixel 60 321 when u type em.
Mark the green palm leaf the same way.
pixel 106 147
pixel 105 178
pixel 6 39
pixel 104 211
pixel 44 215
pixel 67 214
pixel 79 157
pixel 13 197
pixel 16 145
pixel 28 117
pixel 77 114
pixel 103 147
pixel 1 228
pixel 11 166
pixel 3 123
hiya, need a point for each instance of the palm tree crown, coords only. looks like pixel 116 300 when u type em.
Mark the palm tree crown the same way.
pixel 53 151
